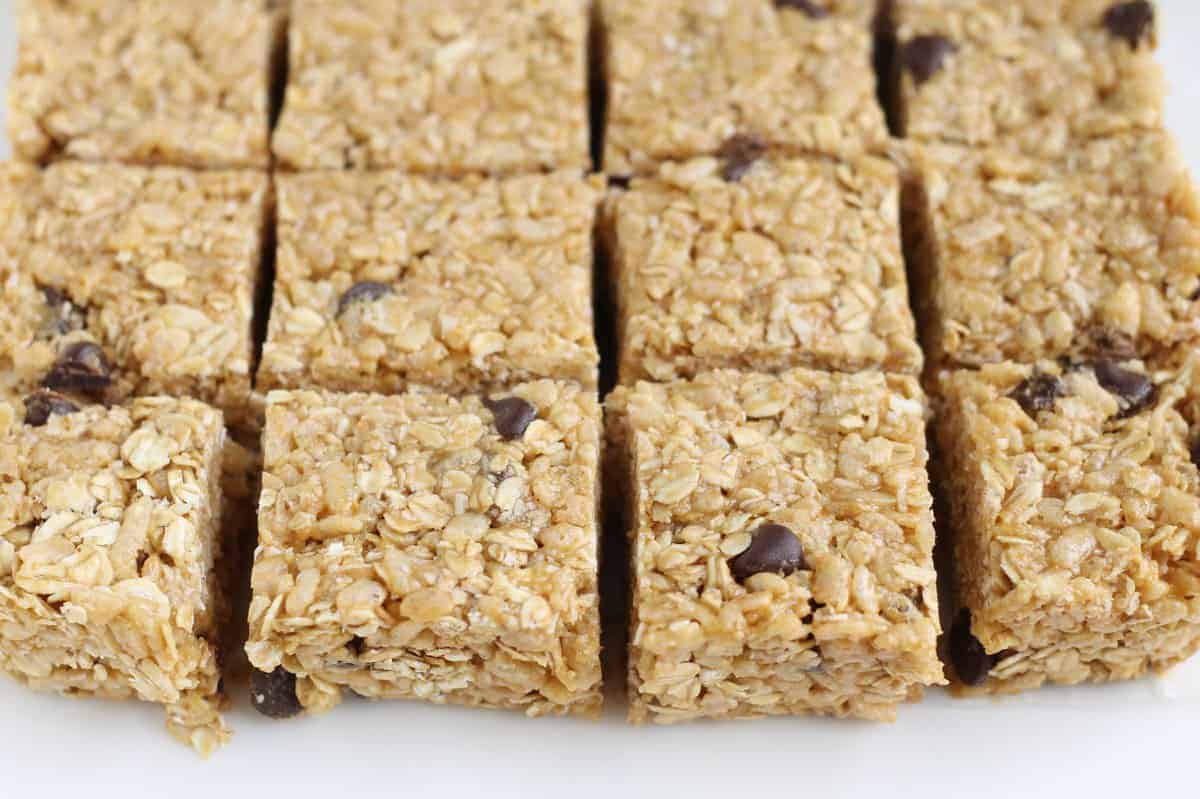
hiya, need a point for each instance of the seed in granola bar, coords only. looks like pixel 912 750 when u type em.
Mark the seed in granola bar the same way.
pixel 924 56
pixel 274 694
pixel 773 548
pixel 739 153
pixel 512 416
pixel 971 661
pixel 1037 393
pixel 42 404
pixel 1134 391
pixel 363 292
pixel 81 367
pixel 807 6
pixel 1133 22
pixel 61 315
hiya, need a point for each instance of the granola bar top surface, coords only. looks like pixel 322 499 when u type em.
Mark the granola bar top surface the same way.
pixel 840 460
pixel 795 262
pixel 108 555
pixel 119 281
pixel 685 76
pixel 429 547
pixel 1026 259
pixel 1076 504
pixel 983 73
pixel 385 281
pixel 144 81
pixel 445 86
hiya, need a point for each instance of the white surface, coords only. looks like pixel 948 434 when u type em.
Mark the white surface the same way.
pixel 1110 740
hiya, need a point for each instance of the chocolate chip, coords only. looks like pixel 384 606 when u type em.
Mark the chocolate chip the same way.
pixel 81 368
pixel 774 548
pixel 1134 391
pixel 1133 22
pixel 61 316
pixel 739 154
pixel 363 292
pixel 924 56
pixel 970 660
pixel 274 694
pixel 1111 344
pixel 41 405
pixel 512 416
pixel 807 6
pixel 1037 393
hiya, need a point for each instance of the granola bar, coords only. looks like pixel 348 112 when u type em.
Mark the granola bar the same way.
pixel 144 81
pixel 761 263
pixel 1032 77
pixel 782 539
pixel 683 77
pixel 420 546
pixel 445 86
pixel 1024 259
pixel 385 281
pixel 121 281
pixel 110 555
pixel 1075 509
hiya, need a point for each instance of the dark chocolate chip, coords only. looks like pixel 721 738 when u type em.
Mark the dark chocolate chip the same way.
pixel 41 405
pixel 513 416
pixel 807 6
pixel 774 548
pixel 739 154
pixel 61 316
pixel 924 56
pixel 1038 393
pixel 274 694
pixel 81 368
pixel 363 292
pixel 1133 22
pixel 970 660
pixel 1134 391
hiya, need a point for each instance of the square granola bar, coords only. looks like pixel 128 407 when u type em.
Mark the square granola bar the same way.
pixel 761 264
pixel 144 81
pixel 110 555
pixel 436 86
pixel 120 281
pixel 684 76
pixel 782 539
pixel 385 281
pixel 1037 78
pixel 420 546
pixel 1075 510
pixel 1024 259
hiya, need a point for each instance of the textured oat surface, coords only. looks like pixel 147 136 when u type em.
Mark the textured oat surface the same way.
pixel 841 461
pixel 489 282
pixel 1019 79
pixel 684 76
pixel 157 266
pixel 1026 259
pixel 445 86
pixel 108 557
pixel 798 263
pixel 1077 532
pixel 144 81
pixel 407 550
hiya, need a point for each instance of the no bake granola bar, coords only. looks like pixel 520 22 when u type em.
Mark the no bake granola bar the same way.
pixel 144 81
pixel 684 76
pixel 1075 512
pixel 438 86
pixel 761 263
pixel 121 281
pixel 1023 259
pixel 110 556
pixel 419 546
pixel 385 281
pixel 782 540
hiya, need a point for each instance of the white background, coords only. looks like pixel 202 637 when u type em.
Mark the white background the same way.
pixel 1111 740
